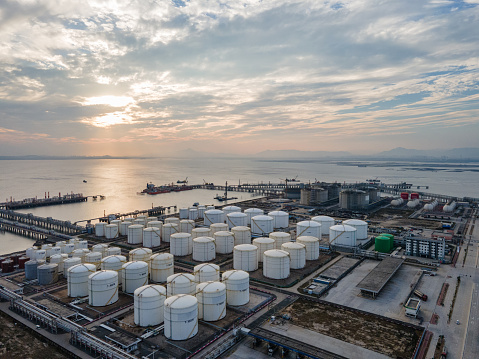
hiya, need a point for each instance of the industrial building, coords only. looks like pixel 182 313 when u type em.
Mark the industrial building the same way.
pixel 425 247
pixel 353 199
pixel 319 192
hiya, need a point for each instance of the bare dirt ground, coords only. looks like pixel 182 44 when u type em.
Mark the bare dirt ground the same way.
pixel 390 217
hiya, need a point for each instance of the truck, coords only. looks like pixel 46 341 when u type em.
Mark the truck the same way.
pixel 420 295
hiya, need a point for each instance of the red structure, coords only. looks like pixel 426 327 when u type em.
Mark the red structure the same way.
pixel 7 266
pixel 21 262
pixel 405 195
pixel 414 195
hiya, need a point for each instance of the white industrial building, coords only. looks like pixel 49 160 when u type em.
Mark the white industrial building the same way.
pixel 425 247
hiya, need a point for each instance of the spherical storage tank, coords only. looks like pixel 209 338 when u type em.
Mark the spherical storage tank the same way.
pixel 135 234
pixel 397 202
pixel 280 238
pixel 252 212
pixel 206 272
pixel 245 257
pixel 211 298
pixel 161 267
pixel 276 264
pixel 326 222
pixel 204 249
pixel 31 270
pixel 181 317
pixel 242 235
pixel 342 234
pixel 281 219
pixel 218 227
pixel 140 254
pixel 102 288
pixel 297 254
pixel 413 203
pixel 262 224
pixel 47 274
pixel 264 244
pixel 431 206
pixel 134 275
pixel 77 279
pixel 180 283
pixel 112 231
pixel 181 244
pixel 312 246
pixel 115 263
pixel 308 228
pixel 237 287
pixel 224 242
pixel 100 229
pixel 168 229
pixel 187 225
pixel 68 263
pixel 124 228
pixel 201 232
pixel 361 227
pixel 236 219
pixel 213 216
pixel 149 305
pixel 151 237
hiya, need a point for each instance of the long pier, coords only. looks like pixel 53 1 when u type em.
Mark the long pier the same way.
pixel 41 202
pixel 21 231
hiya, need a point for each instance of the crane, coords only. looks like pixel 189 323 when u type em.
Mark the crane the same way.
pixel 185 181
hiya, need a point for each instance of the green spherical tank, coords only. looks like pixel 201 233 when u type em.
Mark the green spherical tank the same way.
pixel 382 244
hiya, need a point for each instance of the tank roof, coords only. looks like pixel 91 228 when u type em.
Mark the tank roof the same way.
pixel 181 278
pixel 262 217
pixel 254 209
pixel 134 226
pixel 241 228
pixel 48 266
pixel 161 256
pixel 222 233
pixel 135 265
pixel 206 267
pixel 151 229
pixel 245 247
pixel 309 223
pixel 235 274
pixel 280 234
pixel 214 211
pixel 211 286
pixel 342 228
pixel 180 235
pixel 237 214
pixel 114 258
pixel 278 213
pixel 263 240
pixel 139 250
pixel 276 253
pixel 180 301
pixel 322 218
pixel 150 290
pixel 307 239
pixel 356 222
pixel 293 245
pixel 103 274
pixel 231 207
pixel 83 267
pixel 203 239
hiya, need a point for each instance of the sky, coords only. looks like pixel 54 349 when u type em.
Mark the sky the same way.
pixel 110 77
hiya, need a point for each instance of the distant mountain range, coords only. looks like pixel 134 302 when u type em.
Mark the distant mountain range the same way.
pixel 454 153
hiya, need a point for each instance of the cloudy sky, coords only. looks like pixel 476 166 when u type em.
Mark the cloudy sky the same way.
pixel 145 77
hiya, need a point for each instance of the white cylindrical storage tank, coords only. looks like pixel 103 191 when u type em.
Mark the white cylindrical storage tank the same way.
pixel 201 212
pixel 245 257
pixel 30 252
pixel 192 214
pixel 134 275
pixel 135 234
pixel 280 219
pixel 231 209
pixel 55 250
pixel 31 269
pixel 139 222
pixel 100 248
pixel 151 237
pixel 173 220
pixel 224 242
pixel 58 259
pixel 181 244
pixel 204 249
pixel 312 247
pixel 276 264
pixel 93 258
pixel 297 254
pixel 261 225
pixel 40 254
pixel 218 227
pixel 112 231
pixel 124 228
pixel 129 219
pixel 80 253
pixel 149 305
pixel 140 254
pixel 183 213
pixel 100 229
pixel 181 317
pixel 161 267
pixel 242 235
pixel 167 230
pixel 112 251
pixel 180 283
pixel 187 225
pixel 361 227
pixel 326 222
pixel 214 216
pixel 115 263
pixel 342 234
pixel 117 222
pixel 308 228
pixel 264 244
pixel 69 247
pixel 201 232
pixel 77 279
pixel 151 219
pixel 68 263
pixel 211 301
pixel 102 288
pixel 237 287
pixel 206 272
pixel 253 212
pixel 82 244
pixel 236 219
pixel 210 207
pixel 47 274
pixel 157 224
pixel 280 238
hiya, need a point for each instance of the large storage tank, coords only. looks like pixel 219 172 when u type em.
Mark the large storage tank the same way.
pixel 264 244
pixel 180 283
pixel 253 212
pixel 124 228
pixel 204 249
pixel 245 257
pixel 192 213
pixel 134 275
pixel 151 237
pixel 297 254
pixel 93 258
pixel 413 203
pixel 100 229
pixel 312 247
pixel 201 212
pixel 326 222
pixel 262 225
pixel 69 248
pixel 280 219
pixel 172 220
pixel 112 231
pixel 77 279
pixel 206 272
pixel 236 219
pixel 80 253
pixel 140 254
pixel 276 264
pixel 342 234
pixel 115 263
pixel 201 232
pixel 181 244
pixel 81 244
pixel 390 237
pixel 224 242
pixel 382 244
pixel 151 219
pixel 181 317
pixel 231 209
pixel 135 234
pixel 214 216
pixel 237 287
pixel 68 263
pixel 168 229
pixel 157 224
pixel 102 288
pixel 47 274
pixel 149 305
pixel 30 252
pixel 112 251
pixel 280 238
pixel 183 213
pixel 187 225
pixel 58 259
pixel 218 227
pixel 100 248
pixel 431 206
pixel 161 267
pixel 54 250
pixel 361 227
pixel 242 235
pixel 41 254
pixel 211 301
pixel 308 228
pixel 31 270
pixel 397 202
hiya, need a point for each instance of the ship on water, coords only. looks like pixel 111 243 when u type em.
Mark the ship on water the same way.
pixel 153 189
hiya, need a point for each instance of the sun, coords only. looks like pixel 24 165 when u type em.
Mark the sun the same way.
pixel 113 101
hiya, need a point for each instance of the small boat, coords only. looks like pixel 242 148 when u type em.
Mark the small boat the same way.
pixel 84 181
